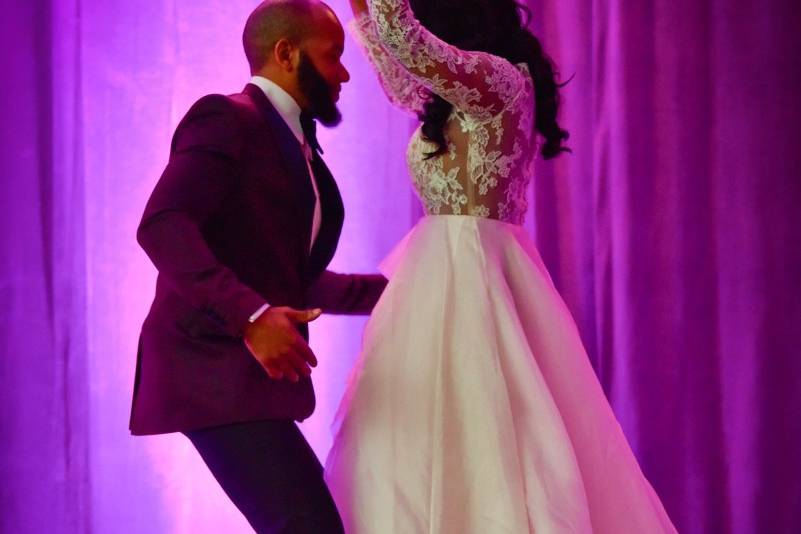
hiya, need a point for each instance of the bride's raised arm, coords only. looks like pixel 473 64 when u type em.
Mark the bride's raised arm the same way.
pixel 401 87
pixel 477 83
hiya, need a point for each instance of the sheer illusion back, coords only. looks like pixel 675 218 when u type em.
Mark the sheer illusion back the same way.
pixel 491 143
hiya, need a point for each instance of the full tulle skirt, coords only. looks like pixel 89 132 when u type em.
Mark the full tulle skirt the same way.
pixel 473 407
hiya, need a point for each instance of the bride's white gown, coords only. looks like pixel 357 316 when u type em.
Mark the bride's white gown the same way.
pixel 473 408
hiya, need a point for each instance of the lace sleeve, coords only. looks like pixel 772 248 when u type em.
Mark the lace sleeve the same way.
pixel 400 86
pixel 478 83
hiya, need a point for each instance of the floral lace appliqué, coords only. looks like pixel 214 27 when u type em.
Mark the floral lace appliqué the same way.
pixel 491 145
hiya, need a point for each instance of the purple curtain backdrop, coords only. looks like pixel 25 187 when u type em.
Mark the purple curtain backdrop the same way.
pixel 674 234
pixel 44 429
pixel 672 231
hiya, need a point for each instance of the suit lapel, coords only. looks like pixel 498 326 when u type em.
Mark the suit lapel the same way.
pixel 289 147
pixel 287 142
pixel 333 213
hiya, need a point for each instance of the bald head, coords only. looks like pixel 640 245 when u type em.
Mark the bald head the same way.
pixel 273 20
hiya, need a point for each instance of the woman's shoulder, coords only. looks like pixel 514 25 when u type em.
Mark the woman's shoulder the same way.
pixel 510 81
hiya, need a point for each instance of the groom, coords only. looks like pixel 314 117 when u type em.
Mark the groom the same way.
pixel 241 226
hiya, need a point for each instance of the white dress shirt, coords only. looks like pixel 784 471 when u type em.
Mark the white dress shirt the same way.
pixel 289 110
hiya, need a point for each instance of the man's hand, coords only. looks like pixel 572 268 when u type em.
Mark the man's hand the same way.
pixel 358 6
pixel 277 345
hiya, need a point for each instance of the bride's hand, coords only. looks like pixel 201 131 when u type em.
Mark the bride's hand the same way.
pixel 358 6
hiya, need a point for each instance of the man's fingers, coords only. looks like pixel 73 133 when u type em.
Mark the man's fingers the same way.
pixel 292 362
pixel 298 366
pixel 290 366
pixel 273 372
pixel 306 353
pixel 304 316
pixel 289 372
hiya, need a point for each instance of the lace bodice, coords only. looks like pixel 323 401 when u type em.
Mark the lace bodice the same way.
pixel 490 133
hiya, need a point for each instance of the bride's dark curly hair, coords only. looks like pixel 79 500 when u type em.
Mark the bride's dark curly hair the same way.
pixel 498 27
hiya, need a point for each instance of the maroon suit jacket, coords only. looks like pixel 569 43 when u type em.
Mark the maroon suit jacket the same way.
pixel 228 227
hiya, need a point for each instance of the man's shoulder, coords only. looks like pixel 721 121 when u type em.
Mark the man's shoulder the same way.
pixel 218 122
pixel 236 107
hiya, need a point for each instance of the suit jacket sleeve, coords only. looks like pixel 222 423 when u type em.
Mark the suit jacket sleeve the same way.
pixel 203 168
pixel 346 294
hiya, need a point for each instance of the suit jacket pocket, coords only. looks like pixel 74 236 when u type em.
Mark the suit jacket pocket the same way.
pixel 201 324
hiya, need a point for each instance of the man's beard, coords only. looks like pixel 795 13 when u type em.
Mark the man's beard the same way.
pixel 318 93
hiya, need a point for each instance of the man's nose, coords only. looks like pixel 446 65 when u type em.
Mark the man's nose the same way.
pixel 344 75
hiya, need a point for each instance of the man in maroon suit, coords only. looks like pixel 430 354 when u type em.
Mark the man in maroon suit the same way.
pixel 241 226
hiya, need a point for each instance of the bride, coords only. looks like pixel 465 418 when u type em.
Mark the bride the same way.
pixel 473 407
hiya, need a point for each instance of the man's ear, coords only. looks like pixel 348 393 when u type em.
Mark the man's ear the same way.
pixel 286 54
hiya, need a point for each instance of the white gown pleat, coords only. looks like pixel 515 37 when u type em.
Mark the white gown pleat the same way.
pixel 473 407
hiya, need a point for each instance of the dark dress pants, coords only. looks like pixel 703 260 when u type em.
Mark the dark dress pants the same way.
pixel 271 474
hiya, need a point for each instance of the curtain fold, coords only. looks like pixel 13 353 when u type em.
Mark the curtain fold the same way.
pixel 683 192
pixel 44 428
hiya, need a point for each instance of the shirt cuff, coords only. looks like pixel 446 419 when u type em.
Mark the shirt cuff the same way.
pixel 252 318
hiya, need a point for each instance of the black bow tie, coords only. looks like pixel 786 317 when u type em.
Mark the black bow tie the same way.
pixel 309 126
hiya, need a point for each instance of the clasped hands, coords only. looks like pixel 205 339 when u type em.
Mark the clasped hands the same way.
pixel 276 344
